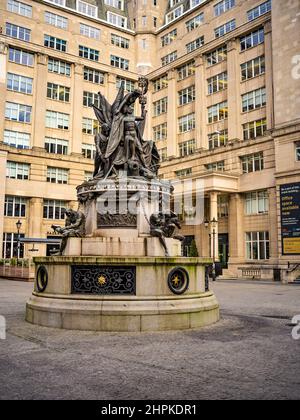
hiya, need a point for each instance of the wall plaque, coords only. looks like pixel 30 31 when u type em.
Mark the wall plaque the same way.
pixel 103 280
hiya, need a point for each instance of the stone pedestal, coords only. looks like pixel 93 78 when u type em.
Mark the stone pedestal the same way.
pixel 121 294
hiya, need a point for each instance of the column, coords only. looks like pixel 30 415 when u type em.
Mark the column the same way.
pixel 3 72
pixel 35 218
pixel 76 128
pixel 200 103
pixel 3 158
pixel 39 100
pixel 172 120
pixel 236 229
pixel 214 215
pixel 111 91
pixel 274 228
pixel 235 131
pixel 269 75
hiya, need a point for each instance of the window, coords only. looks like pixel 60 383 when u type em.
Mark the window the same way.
pixel 259 10
pixel 253 162
pixel 88 176
pixel 129 85
pixel 253 39
pixel 19 83
pixel 187 148
pixel 16 139
pixel 217 139
pixel 87 8
pixel 91 98
pixel 168 38
pixel 20 57
pixel 93 76
pixel 169 58
pixel 186 123
pixel 88 53
pixel 160 107
pixel 57 175
pixel 298 151
pixel 187 95
pixel 58 2
pixel 89 31
pixel 217 56
pixel 192 46
pixel 55 43
pixel 119 41
pixel 58 93
pixel 90 126
pixel 18 32
pixel 253 100
pixel 216 166
pixel 256 202
pixel 160 83
pixel 254 129
pixel 54 209
pixel 10 245
pixel 59 67
pixel 18 112
pixel 223 210
pixel 225 29
pixel 217 83
pixel 257 246
pixel 186 71
pixel 174 14
pixel 14 206
pixel 16 170
pixel 117 4
pixel 195 22
pixel 160 132
pixel 183 172
pixel 119 62
pixel 56 20
pixel 88 151
pixel 57 146
pixel 218 112
pixel 19 8
pixel 116 20
pixel 223 6
pixel 195 3
pixel 163 153
pixel 253 68
pixel 57 120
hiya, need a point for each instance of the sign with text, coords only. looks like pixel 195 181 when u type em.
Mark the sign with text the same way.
pixel 290 218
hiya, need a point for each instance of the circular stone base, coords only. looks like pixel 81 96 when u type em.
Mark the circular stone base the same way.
pixel 120 314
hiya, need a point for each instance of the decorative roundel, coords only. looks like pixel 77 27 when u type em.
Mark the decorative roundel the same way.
pixel 41 279
pixel 178 280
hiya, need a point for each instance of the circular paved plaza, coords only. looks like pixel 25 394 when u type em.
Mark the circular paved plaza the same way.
pixel 249 354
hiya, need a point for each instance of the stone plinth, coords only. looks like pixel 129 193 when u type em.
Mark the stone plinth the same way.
pixel 84 293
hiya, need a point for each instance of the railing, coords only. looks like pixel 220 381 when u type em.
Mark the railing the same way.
pixel 23 269
pixel 254 273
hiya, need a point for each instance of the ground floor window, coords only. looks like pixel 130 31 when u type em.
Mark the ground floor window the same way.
pixel 257 246
pixel 52 248
pixel 10 246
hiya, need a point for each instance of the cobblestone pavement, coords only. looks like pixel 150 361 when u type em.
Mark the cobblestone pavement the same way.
pixel 249 354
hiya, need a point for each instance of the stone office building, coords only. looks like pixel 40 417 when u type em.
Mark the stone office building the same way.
pixel 223 108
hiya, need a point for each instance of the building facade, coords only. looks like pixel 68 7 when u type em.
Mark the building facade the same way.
pixel 223 108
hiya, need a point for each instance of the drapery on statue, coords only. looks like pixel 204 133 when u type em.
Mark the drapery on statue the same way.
pixel 120 144
pixel 74 227
pixel 163 225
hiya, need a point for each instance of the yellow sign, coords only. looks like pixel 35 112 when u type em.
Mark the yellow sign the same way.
pixel 291 246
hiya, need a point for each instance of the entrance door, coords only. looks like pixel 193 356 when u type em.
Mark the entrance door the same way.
pixel 223 249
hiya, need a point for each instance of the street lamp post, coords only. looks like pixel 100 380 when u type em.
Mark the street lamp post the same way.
pixel 18 224
pixel 213 223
